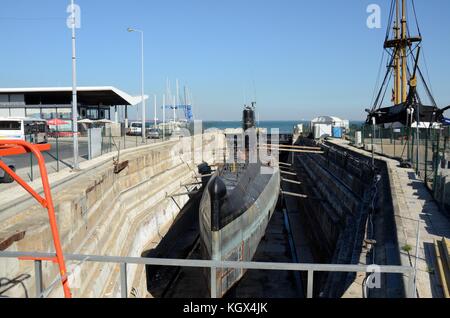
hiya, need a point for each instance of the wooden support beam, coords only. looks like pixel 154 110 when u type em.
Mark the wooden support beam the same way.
pixel 191 184
pixel 204 175
pixel 290 181
pixel 181 194
pixel 302 196
pixel 295 150
pixel 288 173
pixel 288 146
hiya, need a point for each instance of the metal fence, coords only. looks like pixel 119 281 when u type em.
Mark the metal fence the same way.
pixel 408 272
pixel 60 156
pixel 427 150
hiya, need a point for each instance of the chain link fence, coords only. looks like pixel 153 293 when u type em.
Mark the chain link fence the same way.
pixel 426 150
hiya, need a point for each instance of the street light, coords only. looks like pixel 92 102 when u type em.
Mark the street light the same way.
pixel 142 81
pixel 73 25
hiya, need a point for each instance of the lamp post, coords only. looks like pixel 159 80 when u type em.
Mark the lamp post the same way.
pixel 164 117
pixel 142 81
pixel 154 105
pixel 74 90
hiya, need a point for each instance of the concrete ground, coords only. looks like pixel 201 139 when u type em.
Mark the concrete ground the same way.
pixel 415 211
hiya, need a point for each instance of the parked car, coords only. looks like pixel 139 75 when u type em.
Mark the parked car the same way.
pixel 136 128
pixel 154 133
pixel 4 177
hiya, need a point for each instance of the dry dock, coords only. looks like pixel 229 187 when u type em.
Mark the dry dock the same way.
pixel 347 216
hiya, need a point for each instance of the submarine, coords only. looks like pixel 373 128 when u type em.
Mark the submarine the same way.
pixel 237 205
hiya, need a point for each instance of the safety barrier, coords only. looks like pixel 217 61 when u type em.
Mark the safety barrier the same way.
pixel 409 272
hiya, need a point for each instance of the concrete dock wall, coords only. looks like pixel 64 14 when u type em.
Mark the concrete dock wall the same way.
pixel 442 188
pixel 103 213
pixel 340 186
pixel 408 221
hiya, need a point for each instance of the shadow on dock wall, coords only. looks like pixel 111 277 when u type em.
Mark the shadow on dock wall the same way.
pixel 340 220
pixel 7 284
pixel 178 243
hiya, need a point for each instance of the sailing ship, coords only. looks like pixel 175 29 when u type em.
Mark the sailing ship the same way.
pixel 404 52
pixel 236 207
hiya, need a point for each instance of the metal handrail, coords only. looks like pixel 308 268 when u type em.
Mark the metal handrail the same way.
pixel 14 147
pixel 214 265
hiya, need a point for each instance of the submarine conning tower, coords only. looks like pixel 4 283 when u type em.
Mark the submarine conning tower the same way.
pixel 248 122
pixel 249 117
pixel 218 193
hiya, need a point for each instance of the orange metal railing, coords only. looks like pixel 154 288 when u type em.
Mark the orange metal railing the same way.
pixel 18 147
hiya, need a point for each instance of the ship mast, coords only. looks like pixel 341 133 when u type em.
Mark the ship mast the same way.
pixel 400 45
pixel 404 45
pixel 397 83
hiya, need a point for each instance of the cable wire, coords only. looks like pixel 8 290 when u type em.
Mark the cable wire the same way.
pixel 415 16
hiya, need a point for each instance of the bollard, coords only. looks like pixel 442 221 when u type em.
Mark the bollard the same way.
pixel 123 280
pixel 57 153
pixel 38 278
pixel 31 167
pixel 213 282
pixel 310 284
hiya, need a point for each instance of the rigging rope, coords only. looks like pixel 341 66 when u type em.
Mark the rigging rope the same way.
pixel 388 73
pixel 427 71
pixel 427 89
pixel 391 15
pixel 385 91
pixel 415 16
pixel 378 77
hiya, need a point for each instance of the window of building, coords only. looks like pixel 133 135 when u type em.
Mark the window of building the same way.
pixel 17 112
pixel 33 113
pixel 48 113
pixel 4 112
pixel 65 113
pixel 92 113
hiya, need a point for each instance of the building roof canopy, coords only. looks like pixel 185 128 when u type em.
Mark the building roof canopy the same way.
pixel 100 95
pixel 327 120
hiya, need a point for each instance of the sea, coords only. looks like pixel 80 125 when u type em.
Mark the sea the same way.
pixel 285 127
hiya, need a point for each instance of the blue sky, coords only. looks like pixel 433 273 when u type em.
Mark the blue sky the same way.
pixel 300 58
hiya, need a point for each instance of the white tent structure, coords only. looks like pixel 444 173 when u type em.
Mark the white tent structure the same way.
pixel 323 126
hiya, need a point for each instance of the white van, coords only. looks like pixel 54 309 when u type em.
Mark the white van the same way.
pixel 136 128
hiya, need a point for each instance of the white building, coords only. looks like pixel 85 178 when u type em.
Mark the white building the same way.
pixel 323 126
pixel 96 103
